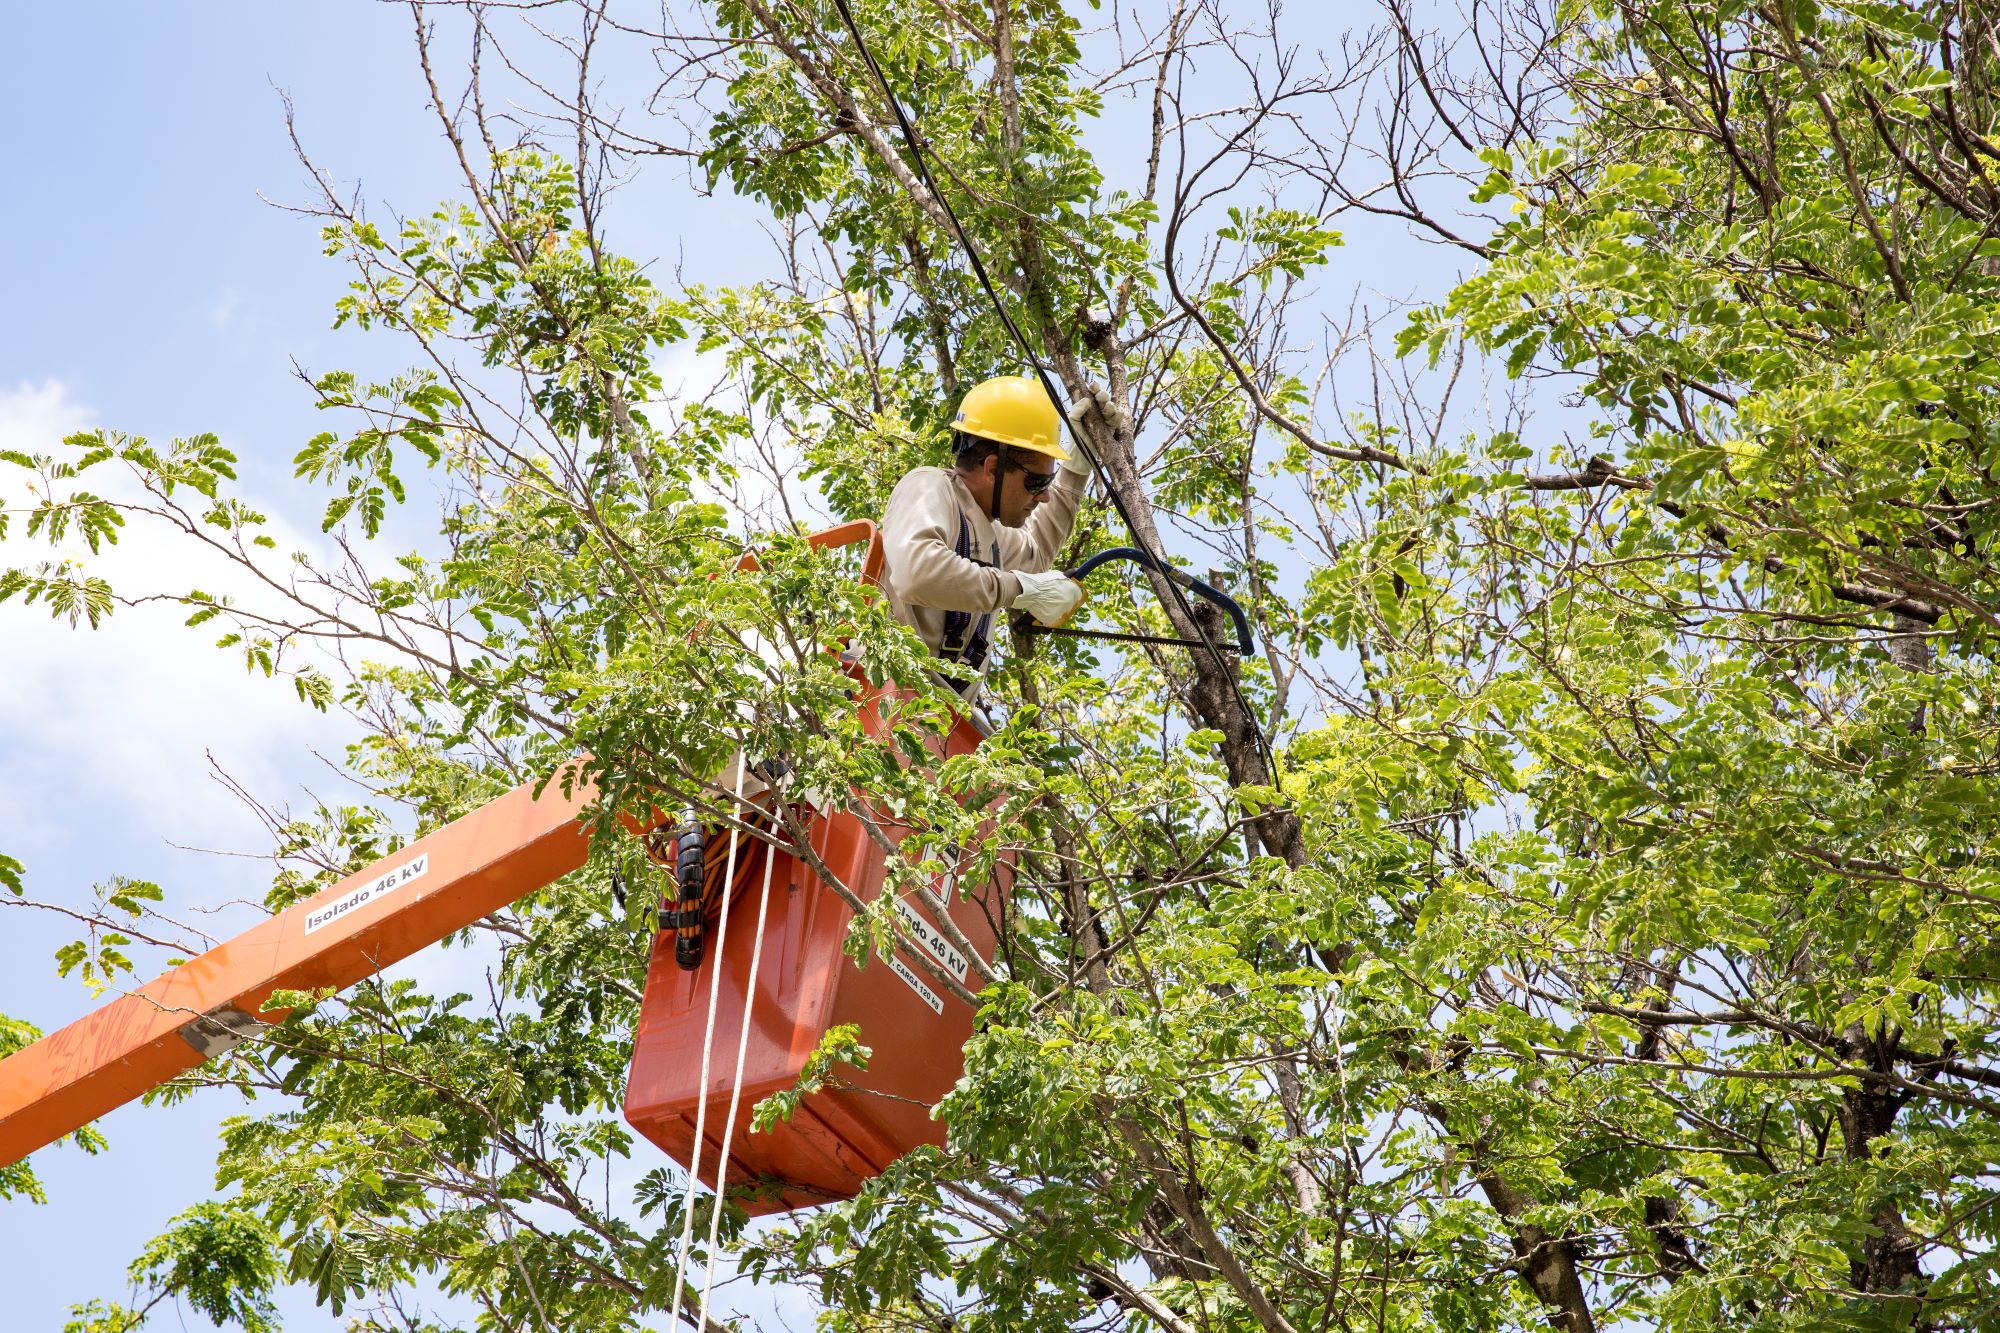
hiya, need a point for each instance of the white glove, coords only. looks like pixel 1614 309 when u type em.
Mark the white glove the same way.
pixel 1095 399
pixel 1050 598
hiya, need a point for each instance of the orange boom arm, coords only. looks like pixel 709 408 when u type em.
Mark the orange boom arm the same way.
pixel 470 868
pixel 444 882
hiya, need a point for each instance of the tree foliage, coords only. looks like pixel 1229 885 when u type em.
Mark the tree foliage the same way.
pixel 1577 913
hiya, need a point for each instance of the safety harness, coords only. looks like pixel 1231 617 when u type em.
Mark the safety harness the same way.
pixel 967 639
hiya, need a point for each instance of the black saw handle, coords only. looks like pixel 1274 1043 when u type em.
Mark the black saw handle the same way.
pixel 1188 581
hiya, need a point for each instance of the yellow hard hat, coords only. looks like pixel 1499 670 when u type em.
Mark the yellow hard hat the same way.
pixel 1016 411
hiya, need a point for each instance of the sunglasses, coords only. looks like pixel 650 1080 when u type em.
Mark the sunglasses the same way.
pixel 1036 482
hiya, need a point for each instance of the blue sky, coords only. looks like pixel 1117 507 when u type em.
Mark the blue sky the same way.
pixel 151 287
pixel 157 286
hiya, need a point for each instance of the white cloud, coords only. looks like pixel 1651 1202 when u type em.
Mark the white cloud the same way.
pixel 222 310
pixel 766 490
pixel 107 734
pixel 112 728
pixel 104 739
pixel 35 416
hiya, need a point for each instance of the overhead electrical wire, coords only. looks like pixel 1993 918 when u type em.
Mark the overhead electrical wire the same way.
pixel 1041 373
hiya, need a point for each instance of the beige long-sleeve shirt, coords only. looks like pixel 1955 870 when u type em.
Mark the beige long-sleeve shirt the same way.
pixel 925 575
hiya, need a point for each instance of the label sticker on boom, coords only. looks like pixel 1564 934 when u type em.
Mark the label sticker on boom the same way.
pixel 916 983
pixel 930 941
pixel 380 887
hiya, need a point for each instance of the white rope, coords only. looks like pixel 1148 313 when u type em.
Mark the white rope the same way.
pixel 736 1084
pixel 707 1048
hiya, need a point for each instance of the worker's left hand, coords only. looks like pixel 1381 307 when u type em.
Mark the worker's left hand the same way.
pixel 1050 598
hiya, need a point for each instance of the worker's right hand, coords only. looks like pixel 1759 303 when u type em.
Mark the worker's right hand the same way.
pixel 1095 400
pixel 1050 598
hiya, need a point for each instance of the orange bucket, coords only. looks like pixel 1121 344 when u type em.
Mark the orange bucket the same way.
pixel 863 1120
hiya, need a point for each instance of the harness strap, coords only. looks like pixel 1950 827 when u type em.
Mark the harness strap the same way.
pixel 967 639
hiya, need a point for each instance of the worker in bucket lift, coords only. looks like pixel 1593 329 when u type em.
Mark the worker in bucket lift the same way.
pixel 959 544
pixel 964 542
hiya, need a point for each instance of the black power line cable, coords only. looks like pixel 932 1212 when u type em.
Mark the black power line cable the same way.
pixel 1041 373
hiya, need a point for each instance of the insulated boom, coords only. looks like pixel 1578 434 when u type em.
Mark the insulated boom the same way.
pixel 471 867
